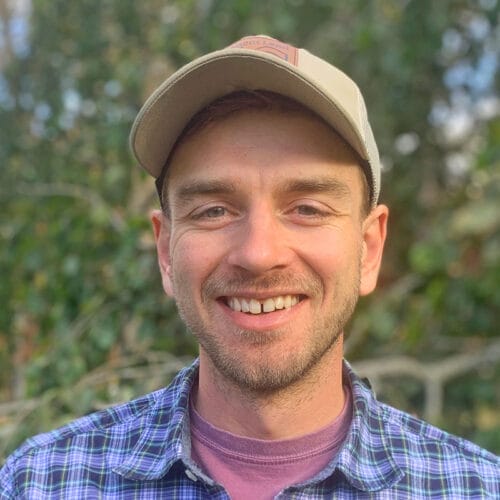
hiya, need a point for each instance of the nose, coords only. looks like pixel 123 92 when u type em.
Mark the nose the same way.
pixel 260 243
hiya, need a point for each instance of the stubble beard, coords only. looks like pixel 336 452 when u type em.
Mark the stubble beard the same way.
pixel 265 376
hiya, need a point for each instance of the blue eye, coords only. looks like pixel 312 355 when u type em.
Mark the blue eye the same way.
pixel 214 212
pixel 308 210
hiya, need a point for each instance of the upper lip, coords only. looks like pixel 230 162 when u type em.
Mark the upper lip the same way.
pixel 261 295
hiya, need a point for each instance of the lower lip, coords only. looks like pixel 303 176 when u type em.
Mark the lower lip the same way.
pixel 263 321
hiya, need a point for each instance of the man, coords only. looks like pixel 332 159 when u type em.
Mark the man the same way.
pixel 270 230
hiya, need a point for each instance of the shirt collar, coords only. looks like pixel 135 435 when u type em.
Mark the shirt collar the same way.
pixel 164 438
pixel 365 459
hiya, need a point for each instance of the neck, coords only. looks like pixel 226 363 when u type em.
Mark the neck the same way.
pixel 302 408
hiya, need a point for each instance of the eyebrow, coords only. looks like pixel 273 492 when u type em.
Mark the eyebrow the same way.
pixel 318 185
pixel 200 188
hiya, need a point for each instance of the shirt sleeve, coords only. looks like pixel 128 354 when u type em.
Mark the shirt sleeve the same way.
pixel 6 483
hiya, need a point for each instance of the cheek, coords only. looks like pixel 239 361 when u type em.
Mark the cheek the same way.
pixel 329 254
pixel 334 260
pixel 193 258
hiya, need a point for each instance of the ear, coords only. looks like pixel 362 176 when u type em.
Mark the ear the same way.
pixel 374 233
pixel 161 229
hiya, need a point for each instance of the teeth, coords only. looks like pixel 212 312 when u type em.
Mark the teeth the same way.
pixel 255 306
pixel 268 305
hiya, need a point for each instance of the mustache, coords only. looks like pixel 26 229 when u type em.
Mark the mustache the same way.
pixel 231 284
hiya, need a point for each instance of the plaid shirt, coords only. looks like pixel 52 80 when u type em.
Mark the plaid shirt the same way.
pixel 141 450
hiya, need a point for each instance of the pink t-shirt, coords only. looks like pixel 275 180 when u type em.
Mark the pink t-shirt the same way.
pixel 259 469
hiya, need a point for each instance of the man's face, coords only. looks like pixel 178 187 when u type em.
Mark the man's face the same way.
pixel 266 250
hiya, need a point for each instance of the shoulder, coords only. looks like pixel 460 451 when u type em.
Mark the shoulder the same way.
pixel 408 434
pixel 428 437
pixel 388 448
pixel 106 421
pixel 97 442
pixel 429 454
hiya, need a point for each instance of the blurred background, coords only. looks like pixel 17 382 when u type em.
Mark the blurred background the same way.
pixel 83 319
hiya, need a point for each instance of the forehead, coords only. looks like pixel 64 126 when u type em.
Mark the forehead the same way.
pixel 277 143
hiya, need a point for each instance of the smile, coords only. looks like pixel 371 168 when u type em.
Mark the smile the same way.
pixel 257 306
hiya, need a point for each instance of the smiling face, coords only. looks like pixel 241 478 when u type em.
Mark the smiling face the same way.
pixel 266 249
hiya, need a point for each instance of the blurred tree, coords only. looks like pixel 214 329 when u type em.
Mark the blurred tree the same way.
pixel 83 320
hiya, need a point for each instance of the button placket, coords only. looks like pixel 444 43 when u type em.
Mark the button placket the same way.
pixel 191 475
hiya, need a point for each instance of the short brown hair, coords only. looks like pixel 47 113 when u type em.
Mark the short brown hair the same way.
pixel 237 101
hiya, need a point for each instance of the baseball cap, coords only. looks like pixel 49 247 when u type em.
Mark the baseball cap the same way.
pixel 253 63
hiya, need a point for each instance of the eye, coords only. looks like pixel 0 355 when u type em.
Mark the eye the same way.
pixel 213 212
pixel 210 213
pixel 308 210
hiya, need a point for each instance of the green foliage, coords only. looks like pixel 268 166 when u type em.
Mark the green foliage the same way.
pixel 80 291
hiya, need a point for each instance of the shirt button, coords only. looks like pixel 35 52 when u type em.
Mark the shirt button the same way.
pixel 190 475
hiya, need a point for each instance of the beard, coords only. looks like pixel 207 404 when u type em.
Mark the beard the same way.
pixel 264 374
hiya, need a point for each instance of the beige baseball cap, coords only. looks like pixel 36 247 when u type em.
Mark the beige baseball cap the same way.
pixel 253 63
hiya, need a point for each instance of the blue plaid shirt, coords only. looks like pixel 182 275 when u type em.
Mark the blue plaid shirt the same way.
pixel 141 450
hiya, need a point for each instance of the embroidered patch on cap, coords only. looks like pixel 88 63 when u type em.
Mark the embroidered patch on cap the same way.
pixel 267 44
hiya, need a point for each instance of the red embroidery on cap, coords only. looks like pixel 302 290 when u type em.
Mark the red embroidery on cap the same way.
pixel 271 46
